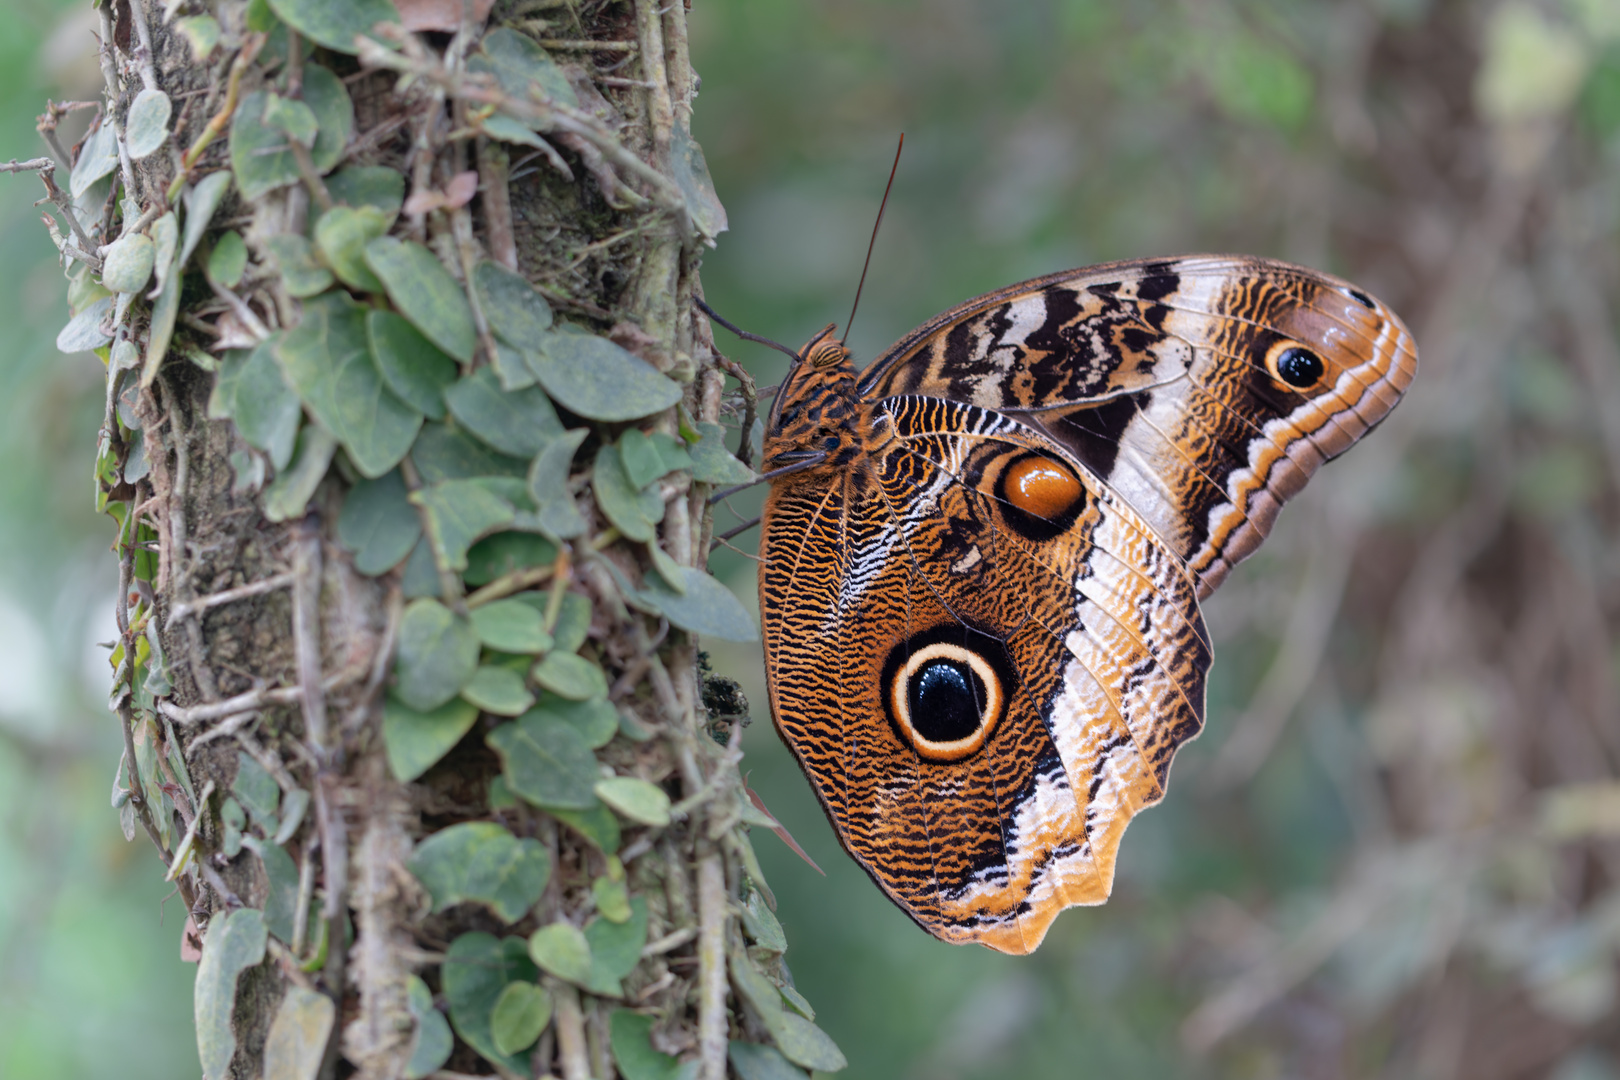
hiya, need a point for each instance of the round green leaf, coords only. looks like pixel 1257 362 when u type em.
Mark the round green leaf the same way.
pixel 561 950
pixel 201 202
pixel 612 898
pixel 236 941
pixel 459 512
pixel 438 653
pixel 146 126
pixel 433 1039
pixel 597 825
pixel 633 1051
pixel 266 411
pixel 616 946
pixel 97 158
pixel 297 1038
pixel 570 676
pixel 301 275
pixel 712 463
pixel 596 720
pixel 417 739
pixel 706 608
pixel 755 1062
pixel 425 293
pixel 341 236
pixel 128 264
pixel 379 524
pixel 573 623
pixel 288 497
pixel 476 969
pixel 632 511
pixel 83 332
pixel 412 366
pixel 805 1044
pixel 558 515
pixel 546 762
pixel 335 25
pixel 520 423
pixel 515 311
pixel 511 626
pixel 521 1013
pixel 498 690
pixel 523 68
pixel 228 261
pixel 635 799
pixel 482 862
pixel 596 379
pixel 495 556
pixel 261 156
pixel 446 453
pixel 368 185
pixel 292 118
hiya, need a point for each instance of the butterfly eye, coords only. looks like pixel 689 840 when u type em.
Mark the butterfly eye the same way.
pixel 945 699
pixel 1296 366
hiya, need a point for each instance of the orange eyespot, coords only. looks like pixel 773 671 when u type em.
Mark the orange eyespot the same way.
pixel 1042 488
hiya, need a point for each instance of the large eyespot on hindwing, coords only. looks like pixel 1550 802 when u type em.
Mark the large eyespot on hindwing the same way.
pixel 1040 497
pixel 946 689
pixel 1293 365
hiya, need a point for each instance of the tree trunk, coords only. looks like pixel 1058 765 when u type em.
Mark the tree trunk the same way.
pixel 412 552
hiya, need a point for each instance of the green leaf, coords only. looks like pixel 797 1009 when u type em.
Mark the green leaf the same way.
pixel 459 512
pixel 482 862
pixel 228 261
pixel 146 125
pixel 433 1039
pixel 515 311
pixel 641 460
pixel 161 328
pixel 596 379
pixel 802 1043
pixel 706 607
pixel 477 967
pixel 411 365
pixel 368 185
pixel 201 202
pixel 558 515
pixel 629 1033
pixel 256 791
pixel 296 1043
pixel 301 275
pixel 597 824
pixel 596 720
pixel 98 157
pixel 201 33
pixel 127 265
pixel 292 118
pixel 612 898
pixel 327 359
pixel 292 815
pixel 521 1013
pixel 379 524
pixel 421 572
pixel 511 626
pixel 672 572
pixel 519 423
pixel 503 128
pixel 417 739
pixel 498 690
pixel 573 623
pixel 641 802
pixel 712 463
pixel 438 653
pixel 633 512
pixel 281 897
pixel 511 368
pixel 570 676
pixel 446 453
pixel 341 236
pixel 561 950
pixel 425 293
pixel 697 187
pixel 761 924
pixel 546 762
pixel 266 409
pixel 83 332
pixel 235 942
pixel 335 25
pixel 261 156
pixel 222 398
pixel 755 1062
pixel 616 947
pixel 523 67
pixel 498 555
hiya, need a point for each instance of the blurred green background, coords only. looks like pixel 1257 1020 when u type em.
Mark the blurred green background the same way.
pixel 1393 852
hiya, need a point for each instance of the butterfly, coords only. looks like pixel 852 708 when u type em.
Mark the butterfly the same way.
pixel 982 558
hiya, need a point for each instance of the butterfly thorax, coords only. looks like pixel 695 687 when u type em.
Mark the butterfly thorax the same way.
pixel 817 415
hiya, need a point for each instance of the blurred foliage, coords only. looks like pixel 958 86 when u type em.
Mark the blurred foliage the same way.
pixel 1393 853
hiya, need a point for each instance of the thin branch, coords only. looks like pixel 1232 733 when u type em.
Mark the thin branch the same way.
pixel 228 596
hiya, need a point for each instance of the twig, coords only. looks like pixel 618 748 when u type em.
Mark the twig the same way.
pixel 571 1047
pixel 306 598
pixel 59 199
pixel 220 120
pixel 252 699
pixel 588 46
pixel 143 55
pixel 711 951
pixel 228 596
pixel 492 187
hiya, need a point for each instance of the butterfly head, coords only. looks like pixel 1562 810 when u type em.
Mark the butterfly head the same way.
pixel 815 410
pixel 824 350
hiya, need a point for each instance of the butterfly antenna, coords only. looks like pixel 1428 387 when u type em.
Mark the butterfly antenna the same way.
pixel 745 335
pixel 873 242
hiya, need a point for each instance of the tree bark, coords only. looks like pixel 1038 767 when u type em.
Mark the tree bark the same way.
pixel 266 661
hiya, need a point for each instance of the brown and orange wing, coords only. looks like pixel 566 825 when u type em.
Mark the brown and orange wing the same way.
pixel 1203 390
pixel 982 689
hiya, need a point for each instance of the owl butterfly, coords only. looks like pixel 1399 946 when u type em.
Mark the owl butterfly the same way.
pixel 983 556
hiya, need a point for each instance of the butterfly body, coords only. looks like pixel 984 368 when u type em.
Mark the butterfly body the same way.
pixel 980 588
